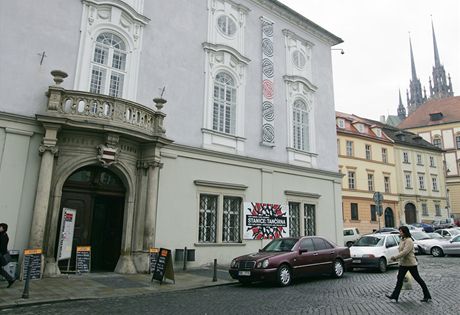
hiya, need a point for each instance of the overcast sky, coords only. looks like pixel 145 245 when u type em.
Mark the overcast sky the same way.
pixel 376 62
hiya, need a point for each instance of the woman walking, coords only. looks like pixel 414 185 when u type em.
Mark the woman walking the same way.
pixel 407 262
pixel 4 256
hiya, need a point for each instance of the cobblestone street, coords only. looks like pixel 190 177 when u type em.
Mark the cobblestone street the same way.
pixel 359 292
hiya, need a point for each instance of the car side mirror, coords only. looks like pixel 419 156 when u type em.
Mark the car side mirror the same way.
pixel 302 250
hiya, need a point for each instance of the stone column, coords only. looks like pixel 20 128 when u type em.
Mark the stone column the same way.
pixel 48 149
pixel 151 206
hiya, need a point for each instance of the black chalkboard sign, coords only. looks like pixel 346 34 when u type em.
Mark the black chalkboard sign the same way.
pixel 83 259
pixel 163 267
pixel 153 257
pixel 34 258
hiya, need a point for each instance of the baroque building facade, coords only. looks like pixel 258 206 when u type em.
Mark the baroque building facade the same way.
pixel 249 118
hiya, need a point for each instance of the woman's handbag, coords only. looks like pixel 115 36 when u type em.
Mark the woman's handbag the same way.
pixel 5 259
pixel 407 282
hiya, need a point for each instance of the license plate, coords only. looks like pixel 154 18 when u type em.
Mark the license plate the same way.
pixel 356 261
pixel 244 273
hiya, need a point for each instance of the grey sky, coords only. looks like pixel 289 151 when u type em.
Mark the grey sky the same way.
pixel 376 62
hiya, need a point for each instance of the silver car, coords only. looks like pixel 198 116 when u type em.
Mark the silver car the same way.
pixel 450 247
pixel 425 243
pixel 447 233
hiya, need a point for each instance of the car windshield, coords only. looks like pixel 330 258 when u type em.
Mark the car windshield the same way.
pixel 454 232
pixel 434 235
pixel 369 241
pixel 420 236
pixel 280 245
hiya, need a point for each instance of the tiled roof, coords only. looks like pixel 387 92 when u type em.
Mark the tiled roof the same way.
pixel 351 122
pixel 449 107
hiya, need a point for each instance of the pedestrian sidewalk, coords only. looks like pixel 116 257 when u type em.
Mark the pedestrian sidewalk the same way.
pixel 104 285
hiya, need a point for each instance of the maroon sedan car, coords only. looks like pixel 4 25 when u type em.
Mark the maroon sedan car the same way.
pixel 286 258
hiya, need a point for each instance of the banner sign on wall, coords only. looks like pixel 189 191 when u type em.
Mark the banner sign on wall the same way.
pixel 66 234
pixel 265 221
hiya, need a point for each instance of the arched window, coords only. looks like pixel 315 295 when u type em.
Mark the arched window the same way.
pixel 224 104
pixel 300 125
pixel 108 65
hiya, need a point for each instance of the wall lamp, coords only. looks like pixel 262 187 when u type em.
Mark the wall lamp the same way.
pixel 341 50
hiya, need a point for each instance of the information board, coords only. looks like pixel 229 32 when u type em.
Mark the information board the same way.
pixel 66 234
pixel 153 257
pixel 83 259
pixel 163 267
pixel 34 258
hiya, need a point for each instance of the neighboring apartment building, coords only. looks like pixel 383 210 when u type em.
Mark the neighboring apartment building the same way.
pixel 249 122
pixel 420 177
pixel 367 162
pixel 438 122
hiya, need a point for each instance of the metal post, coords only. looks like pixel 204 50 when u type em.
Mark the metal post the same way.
pixel 214 277
pixel 25 294
pixel 185 258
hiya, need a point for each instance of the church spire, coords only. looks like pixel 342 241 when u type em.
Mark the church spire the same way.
pixel 416 97
pixel 440 88
pixel 401 109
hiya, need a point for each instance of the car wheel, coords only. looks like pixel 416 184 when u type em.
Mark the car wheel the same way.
pixel 338 269
pixel 382 264
pixel 437 252
pixel 284 275
pixel 244 281
pixel 349 243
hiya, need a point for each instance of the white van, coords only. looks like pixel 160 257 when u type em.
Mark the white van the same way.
pixel 350 235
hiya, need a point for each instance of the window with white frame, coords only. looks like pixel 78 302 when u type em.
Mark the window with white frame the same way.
pixel 437 208
pixel 405 157
pixel 432 164
pixel 457 140
pixel 370 182
pixel 341 123
pixel 437 142
pixel 309 219
pixel 368 152
pixel 349 147
pixel 302 222
pixel 434 182
pixel 424 209
pixel 108 65
pixel 351 180
pixel 224 103
pixel 419 159
pixel 384 155
pixel 386 183
pixel 300 125
pixel 408 179
pixel 226 25
pixel 421 181
pixel 213 207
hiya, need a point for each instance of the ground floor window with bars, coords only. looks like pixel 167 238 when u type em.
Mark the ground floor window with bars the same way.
pixel 220 219
pixel 302 221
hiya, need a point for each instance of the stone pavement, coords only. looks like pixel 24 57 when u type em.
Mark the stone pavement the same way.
pixel 104 285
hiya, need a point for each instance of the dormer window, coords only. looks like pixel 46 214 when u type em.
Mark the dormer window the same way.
pixel 360 127
pixel 378 132
pixel 341 123
pixel 436 116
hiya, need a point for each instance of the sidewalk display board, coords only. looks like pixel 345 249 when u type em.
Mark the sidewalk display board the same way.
pixel 83 259
pixel 34 258
pixel 265 221
pixel 66 234
pixel 153 257
pixel 164 267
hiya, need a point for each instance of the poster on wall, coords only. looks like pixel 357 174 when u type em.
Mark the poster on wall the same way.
pixel 66 234
pixel 265 221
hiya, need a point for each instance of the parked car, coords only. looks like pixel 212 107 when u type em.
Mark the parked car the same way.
pixel 286 258
pixel 424 242
pixel 374 251
pixel 412 227
pixel 350 235
pixel 443 223
pixel 447 233
pixel 425 227
pixel 435 235
pixel 387 230
pixel 447 247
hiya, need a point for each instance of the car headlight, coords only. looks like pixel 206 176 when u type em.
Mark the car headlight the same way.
pixel 262 264
pixel 234 264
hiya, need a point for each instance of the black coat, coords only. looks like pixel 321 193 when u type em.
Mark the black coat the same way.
pixel 3 243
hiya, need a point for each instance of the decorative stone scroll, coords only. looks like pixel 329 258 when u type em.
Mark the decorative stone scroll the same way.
pixel 268 112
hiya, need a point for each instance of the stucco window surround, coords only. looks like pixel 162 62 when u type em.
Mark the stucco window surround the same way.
pixel 224 60
pixel 300 91
pixel 305 207
pixel 226 23
pixel 113 17
pixel 298 55
pixel 221 199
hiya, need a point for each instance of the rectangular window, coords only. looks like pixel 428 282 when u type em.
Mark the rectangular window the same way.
pixel 208 218
pixel 368 152
pixel 351 180
pixel 424 209
pixel 373 213
pixel 294 219
pixel 419 159
pixel 432 161
pixel 386 183
pixel 421 181
pixel 349 148
pixel 116 84
pixel 370 182
pixel 309 219
pixel 434 182
pixel 354 211
pixel 408 180
pixel 384 155
pixel 437 142
pixel 405 157
pixel 437 208
pixel 457 140
pixel 97 84
pixel 231 232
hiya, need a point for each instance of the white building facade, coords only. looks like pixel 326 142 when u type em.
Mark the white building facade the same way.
pixel 249 118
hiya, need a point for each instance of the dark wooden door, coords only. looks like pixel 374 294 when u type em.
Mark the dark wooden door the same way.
pixel 411 216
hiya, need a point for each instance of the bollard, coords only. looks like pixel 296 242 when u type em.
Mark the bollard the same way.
pixel 214 277
pixel 25 294
pixel 185 258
